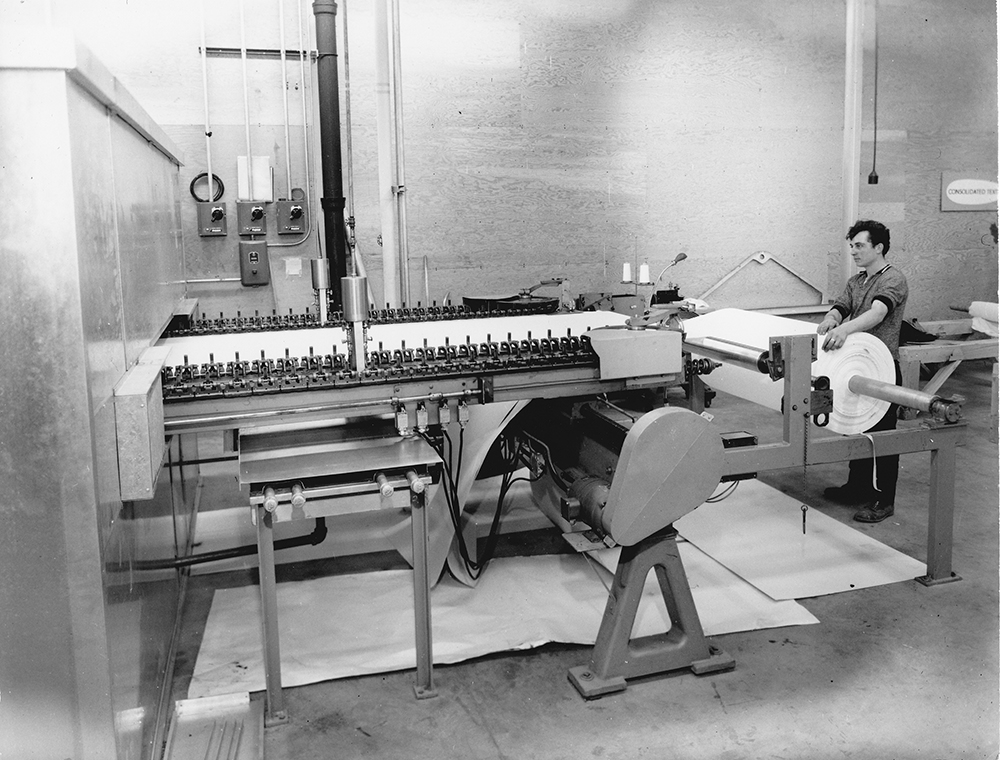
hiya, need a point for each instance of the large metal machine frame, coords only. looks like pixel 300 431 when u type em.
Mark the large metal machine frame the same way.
pixel 286 483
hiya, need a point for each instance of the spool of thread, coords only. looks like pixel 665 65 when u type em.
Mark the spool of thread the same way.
pixel 644 274
pixel 626 272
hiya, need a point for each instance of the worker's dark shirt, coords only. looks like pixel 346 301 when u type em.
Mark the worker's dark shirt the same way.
pixel 888 286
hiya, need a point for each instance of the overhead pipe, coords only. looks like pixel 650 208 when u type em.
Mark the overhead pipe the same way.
pixel 851 157
pixel 284 99
pixel 351 239
pixel 400 184
pixel 246 103
pixel 305 137
pixel 388 209
pixel 204 88
pixel 332 201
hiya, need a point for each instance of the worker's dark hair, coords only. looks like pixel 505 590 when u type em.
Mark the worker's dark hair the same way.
pixel 877 233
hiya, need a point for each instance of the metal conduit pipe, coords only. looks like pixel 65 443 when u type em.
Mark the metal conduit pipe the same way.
pixel 204 89
pixel 333 201
pixel 284 99
pixel 315 538
pixel 246 104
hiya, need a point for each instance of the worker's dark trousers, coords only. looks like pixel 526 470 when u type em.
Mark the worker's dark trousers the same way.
pixel 886 468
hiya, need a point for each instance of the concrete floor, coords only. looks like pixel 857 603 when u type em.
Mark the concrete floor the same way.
pixel 901 671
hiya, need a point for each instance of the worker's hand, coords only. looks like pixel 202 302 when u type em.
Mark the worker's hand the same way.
pixel 826 325
pixel 835 338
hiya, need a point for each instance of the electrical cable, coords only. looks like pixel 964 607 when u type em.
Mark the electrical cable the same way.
pixel 215 177
pixel 511 456
pixel 873 177
pixel 715 498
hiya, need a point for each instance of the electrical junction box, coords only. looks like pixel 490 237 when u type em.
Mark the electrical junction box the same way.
pixel 735 440
pixel 291 217
pixel 255 269
pixel 211 219
pixel 251 218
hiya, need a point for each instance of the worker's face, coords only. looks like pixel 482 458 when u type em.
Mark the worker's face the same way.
pixel 862 251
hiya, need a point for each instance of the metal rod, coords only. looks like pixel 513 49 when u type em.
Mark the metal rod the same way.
pixel 208 128
pixel 284 99
pixel 323 306
pixel 349 149
pixel 184 422
pixel 275 712
pixel 731 353
pixel 892 393
pixel 851 156
pixel 305 121
pixel 388 210
pixel 246 104
pixel 397 91
pixel 424 686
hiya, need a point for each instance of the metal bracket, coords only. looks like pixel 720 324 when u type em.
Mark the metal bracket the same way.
pixel 775 362
pixel 486 388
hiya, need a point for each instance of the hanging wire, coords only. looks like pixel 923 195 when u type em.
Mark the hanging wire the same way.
pixel 873 177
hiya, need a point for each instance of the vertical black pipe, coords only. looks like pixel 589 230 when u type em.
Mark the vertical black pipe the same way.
pixel 333 201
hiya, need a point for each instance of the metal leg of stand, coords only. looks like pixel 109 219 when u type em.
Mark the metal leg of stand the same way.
pixel 616 655
pixel 424 687
pixel 941 518
pixel 275 710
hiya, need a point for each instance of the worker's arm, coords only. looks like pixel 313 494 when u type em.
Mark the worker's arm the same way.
pixel 836 336
pixel 831 320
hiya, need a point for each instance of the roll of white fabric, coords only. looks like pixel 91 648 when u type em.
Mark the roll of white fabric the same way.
pixel 862 354
pixel 985 310
pixel 985 317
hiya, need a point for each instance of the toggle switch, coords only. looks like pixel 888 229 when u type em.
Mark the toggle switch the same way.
pixel 211 219
pixel 251 218
pixel 291 217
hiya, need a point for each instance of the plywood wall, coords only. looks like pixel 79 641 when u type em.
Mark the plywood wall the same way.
pixel 556 138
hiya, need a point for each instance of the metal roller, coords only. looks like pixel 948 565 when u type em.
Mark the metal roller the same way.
pixel 739 354
pixel 943 409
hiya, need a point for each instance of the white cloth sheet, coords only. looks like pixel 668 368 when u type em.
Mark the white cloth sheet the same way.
pixel 351 625
pixel 757 533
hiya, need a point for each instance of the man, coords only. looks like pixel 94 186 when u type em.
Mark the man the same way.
pixel 872 302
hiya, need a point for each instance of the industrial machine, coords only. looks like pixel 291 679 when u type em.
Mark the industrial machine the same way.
pixel 321 433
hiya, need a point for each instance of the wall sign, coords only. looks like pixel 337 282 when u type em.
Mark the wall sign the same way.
pixel 968 191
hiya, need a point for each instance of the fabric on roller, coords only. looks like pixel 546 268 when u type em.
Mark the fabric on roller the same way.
pixel 861 354
pixel 985 317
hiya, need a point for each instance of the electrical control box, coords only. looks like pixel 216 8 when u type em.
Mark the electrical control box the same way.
pixel 734 440
pixel 291 216
pixel 251 218
pixel 211 218
pixel 255 269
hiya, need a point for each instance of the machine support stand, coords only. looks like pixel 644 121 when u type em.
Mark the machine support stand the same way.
pixel 424 687
pixel 274 713
pixel 616 656
pixel 941 518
